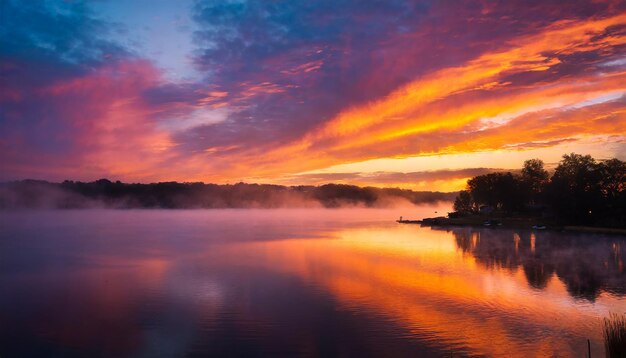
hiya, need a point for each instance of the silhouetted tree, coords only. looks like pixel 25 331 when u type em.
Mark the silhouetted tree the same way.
pixel 613 187
pixel 464 202
pixel 500 190
pixel 534 179
pixel 581 190
pixel 613 177
pixel 574 190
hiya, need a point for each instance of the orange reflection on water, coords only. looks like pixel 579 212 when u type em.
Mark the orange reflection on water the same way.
pixel 424 283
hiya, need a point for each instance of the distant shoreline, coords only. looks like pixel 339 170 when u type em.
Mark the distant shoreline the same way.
pixel 511 223
pixel 103 193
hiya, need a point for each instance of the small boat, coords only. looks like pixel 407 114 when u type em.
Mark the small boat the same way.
pixel 539 227
pixel 492 223
pixel 409 221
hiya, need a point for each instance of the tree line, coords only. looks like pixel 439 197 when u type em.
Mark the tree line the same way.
pixel 581 190
pixel 174 195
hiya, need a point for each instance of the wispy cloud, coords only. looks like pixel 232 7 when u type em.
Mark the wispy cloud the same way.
pixel 442 112
pixel 286 88
pixel 431 180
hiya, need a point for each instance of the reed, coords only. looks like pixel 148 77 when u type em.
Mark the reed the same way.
pixel 615 335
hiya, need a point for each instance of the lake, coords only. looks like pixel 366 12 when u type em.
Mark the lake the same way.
pixel 311 283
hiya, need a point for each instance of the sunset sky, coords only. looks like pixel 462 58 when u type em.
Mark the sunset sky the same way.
pixel 415 94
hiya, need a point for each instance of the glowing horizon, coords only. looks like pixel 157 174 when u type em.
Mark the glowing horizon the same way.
pixel 420 95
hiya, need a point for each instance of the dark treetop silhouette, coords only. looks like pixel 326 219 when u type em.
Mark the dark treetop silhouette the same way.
pixel 581 190
pixel 173 195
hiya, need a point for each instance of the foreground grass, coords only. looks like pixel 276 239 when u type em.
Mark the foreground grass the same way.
pixel 615 335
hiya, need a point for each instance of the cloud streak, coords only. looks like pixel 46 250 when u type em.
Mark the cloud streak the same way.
pixel 287 89
pixel 433 179
pixel 442 111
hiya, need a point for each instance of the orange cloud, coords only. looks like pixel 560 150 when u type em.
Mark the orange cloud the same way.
pixel 453 109
pixel 522 95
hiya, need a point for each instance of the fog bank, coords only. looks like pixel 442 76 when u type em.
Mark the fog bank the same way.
pixel 34 194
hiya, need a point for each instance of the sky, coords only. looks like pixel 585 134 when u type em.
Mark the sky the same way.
pixel 413 94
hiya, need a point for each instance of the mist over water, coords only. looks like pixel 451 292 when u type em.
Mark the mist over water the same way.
pixel 103 193
pixel 297 282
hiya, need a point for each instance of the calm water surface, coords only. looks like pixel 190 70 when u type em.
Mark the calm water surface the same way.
pixel 327 283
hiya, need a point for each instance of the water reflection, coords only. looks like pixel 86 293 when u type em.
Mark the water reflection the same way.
pixel 587 264
pixel 417 278
pixel 328 283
